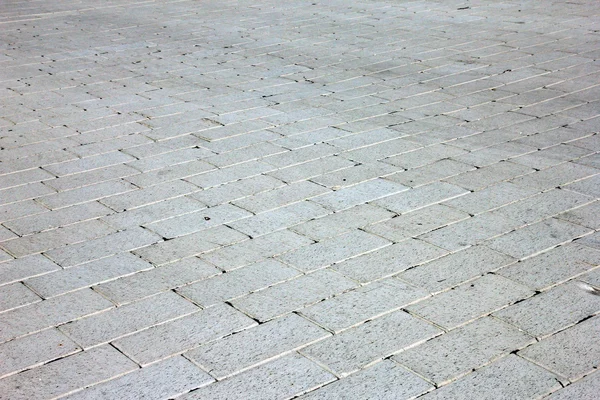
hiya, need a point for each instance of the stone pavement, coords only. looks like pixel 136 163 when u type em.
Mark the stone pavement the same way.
pixel 299 199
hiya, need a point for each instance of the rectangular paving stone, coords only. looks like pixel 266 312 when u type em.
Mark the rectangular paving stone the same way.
pixel 250 251
pixel 553 266
pixel 155 280
pixel 385 381
pixel 301 155
pixel 88 163
pixel 105 246
pixel 416 223
pixel 285 377
pixel 470 301
pixel 84 194
pixel 52 312
pixel 559 175
pixel 225 175
pixel 364 303
pixel 237 190
pixel 94 176
pixel 585 388
pixel 489 175
pixel 281 218
pixel 358 194
pixel 510 378
pixel 370 342
pixel 171 173
pixel 16 295
pixel 57 218
pixel 168 159
pixel 293 295
pixel 354 174
pixel 460 351
pixel 543 205
pixel 107 326
pixel 93 273
pixel 551 311
pixel 431 173
pixel 343 221
pixel 141 197
pixel 67 374
pixel 166 379
pixel 153 212
pixel 424 156
pixel 311 169
pixel 24 177
pixel 34 350
pixel 15 270
pixel 421 197
pixel 21 209
pixel 270 340
pixel 571 353
pixel 490 197
pixel 389 261
pixel 183 334
pixel 238 282
pixel 198 221
pixel 333 250
pixel 281 197
pixel 455 268
pixel 588 215
pixel 56 238
pixel 535 238
pixel 190 245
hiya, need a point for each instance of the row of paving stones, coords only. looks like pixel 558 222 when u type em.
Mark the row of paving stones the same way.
pixel 376 200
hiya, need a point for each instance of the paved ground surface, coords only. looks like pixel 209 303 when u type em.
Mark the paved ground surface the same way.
pixel 279 199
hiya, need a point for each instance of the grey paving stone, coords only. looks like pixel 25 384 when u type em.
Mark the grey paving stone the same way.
pixel 198 221
pixel 20 209
pixel 358 194
pixel 389 261
pixel 280 197
pixel 94 249
pixel 421 197
pixel 238 282
pixel 141 197
pixel 88 163
pixel 171 173
pixel 510 378
pixel 490 175
pixel 237 190
pixel 56 238
pixel 364 303
pixel 190 245
pixel 470 301
pixel 229 174
pixel 93 273
pixel 102 328
pixel 460 351
pixel 559 175
pixel 551 311
pixel 490 197
pixel 84 194
pixel 311 169
pixel 333 250
pixel 278 219
pixel 588 215
pixel 535 238
pixel 34 350
pixel 16 295
pixel 52 312
pixel 94 176
pixel 153 212
pixel 343 221
pixel 431 173
pixel 285 377
pixel 571 353
pixel 456 268
pixel 293 295
pixel 372 341
pixel 384 381
pixel 270 340
pixel 250 251
pixel 553 266
pixel 416 223
pixel 592 240
pixel 585 388
pixel 67 375
pixel 183 334
pixel 15 270
pixel 167 379
pixel 151 281
pixel 354 174
pixel 424 156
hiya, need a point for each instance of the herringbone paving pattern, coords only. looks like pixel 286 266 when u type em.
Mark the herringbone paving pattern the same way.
pixel 295 199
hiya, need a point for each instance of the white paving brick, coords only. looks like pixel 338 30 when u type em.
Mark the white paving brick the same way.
pixel 420 197
pixel 16 295
pixel 105 327
pixel 359 194
pixel 281 196
pixel 372 341
pixel 293 295
pixel 141 197
pixel 183 334
pixel 256 345
pixel 25 267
